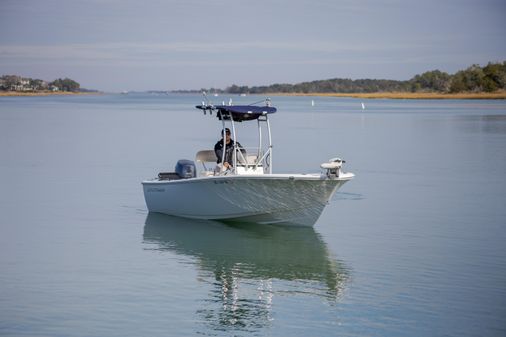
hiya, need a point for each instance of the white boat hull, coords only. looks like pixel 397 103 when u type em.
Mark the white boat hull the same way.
pixel 268 199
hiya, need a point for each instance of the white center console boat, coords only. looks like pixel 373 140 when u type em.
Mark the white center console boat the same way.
pixel 248 191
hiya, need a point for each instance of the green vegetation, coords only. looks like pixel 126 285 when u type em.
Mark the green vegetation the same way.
pixel 474 79
pixel 21 84
pixel 66 84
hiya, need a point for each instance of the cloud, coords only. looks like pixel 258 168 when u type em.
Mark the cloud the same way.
pixel 203 54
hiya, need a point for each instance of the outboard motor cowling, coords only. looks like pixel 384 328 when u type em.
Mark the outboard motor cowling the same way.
pixel 186 169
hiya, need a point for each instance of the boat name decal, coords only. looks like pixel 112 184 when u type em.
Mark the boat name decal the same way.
pixel 222 182
pixel 156 189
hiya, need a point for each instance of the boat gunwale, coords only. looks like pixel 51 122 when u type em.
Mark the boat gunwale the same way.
pixel 276 176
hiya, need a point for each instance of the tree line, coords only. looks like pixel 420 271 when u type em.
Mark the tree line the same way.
pixel 475 78
pixel 18 83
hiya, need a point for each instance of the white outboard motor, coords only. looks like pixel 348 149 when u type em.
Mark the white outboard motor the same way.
pixel 333 167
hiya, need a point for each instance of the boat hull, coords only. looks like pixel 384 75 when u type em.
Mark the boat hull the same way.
pixel 267 199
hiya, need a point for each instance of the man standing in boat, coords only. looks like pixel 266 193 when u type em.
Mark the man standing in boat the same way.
pixel 229 149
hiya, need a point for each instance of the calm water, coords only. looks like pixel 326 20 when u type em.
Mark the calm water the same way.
pixel 414 246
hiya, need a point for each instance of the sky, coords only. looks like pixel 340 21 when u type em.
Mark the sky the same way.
pixel 123 45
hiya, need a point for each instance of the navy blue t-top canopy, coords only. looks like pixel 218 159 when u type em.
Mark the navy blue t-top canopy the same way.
pixel 238 112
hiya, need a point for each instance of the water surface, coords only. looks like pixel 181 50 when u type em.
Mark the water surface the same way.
pixel 414 245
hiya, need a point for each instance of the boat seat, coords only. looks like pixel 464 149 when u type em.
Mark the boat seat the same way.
pixel 209 156
pixel 205 156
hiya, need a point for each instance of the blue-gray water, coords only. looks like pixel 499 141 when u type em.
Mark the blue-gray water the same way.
pixel 413 246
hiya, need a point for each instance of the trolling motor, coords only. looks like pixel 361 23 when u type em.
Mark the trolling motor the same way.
pixel 333 167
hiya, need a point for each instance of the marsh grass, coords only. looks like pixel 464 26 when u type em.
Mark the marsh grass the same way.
pixel 410 95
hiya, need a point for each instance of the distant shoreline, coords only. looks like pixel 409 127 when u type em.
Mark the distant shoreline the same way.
pixel 45 93
pixel 375 95
pixel 406 95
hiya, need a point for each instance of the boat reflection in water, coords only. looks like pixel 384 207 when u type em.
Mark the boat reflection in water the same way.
pixel 249 267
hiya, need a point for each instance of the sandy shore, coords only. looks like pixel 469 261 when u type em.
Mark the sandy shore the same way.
pixel 409 95
pixel 45 93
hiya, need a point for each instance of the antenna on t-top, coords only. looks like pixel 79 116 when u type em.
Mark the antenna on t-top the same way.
pixel 207 103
